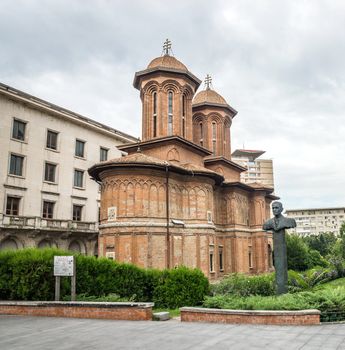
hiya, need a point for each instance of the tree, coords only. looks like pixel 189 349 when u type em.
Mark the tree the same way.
pixel 300 256
pixel 297 253
pixel 323 243
pixel 342 229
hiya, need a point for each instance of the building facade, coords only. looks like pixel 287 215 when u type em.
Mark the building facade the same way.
pixel 258 170
pixel 176 197
pixel 317 221
pixel 46 197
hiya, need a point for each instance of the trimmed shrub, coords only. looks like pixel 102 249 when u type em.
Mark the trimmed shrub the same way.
pixel 331 302
pixel 28 275
pixel 244 285
pixel 180 287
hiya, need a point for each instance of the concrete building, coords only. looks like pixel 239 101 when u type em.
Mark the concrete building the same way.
pixel 176 198
pixel 46 196
pixel 316 221
pixel 259 170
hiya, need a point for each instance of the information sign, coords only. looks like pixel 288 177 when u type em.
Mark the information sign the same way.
pixel 63 265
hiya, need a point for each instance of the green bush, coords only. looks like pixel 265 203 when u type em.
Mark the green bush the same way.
pixel 180 287
pixel 28 275
pixel 331 302
pixel 244 285
pixel 299 281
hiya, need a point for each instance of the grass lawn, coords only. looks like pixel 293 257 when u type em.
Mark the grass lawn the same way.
pixel 340 282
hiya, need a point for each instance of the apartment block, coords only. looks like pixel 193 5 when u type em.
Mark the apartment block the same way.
pixel 47 198
pixel 259 170
pixel 316 221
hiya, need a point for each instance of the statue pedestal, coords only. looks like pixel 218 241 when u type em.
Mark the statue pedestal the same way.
pixel 280 261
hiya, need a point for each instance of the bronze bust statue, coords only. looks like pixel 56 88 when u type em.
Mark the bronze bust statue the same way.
pixel 278 225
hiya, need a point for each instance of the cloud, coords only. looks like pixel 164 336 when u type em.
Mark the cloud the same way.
pixel 279 63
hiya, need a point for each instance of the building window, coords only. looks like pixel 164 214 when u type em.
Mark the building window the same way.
pixel 170 113
pixel 52 139
pixel 49 172
pixel 18 131
pixel 48 209
pixel 12 205
pixel 79 148
pixel 78 178
pixel 201 134
pixel 154 96
pixel 214 137
pixel 221 262
pixel 250 257
pixel 103 154
pixel 183 116
pixel 211 258
pixel 77 211
pixel 16 165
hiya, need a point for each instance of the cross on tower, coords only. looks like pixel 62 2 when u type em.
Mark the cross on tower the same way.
pixel 208 81
pixel 167 47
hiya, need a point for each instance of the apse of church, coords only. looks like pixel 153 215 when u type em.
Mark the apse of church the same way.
pixel 176 197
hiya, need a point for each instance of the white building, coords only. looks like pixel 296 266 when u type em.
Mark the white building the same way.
pixel 316 221
pixel 259 170
pixel 46 196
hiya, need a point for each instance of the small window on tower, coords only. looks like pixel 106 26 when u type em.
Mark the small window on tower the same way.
pixel 201 134
pixel 170 113
pixel 154 96
pixel 214 137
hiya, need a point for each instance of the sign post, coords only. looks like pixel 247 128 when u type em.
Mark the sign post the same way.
pixel 65 266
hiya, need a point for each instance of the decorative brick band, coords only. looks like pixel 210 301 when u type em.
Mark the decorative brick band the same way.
pixel 102 310
pixel 300 317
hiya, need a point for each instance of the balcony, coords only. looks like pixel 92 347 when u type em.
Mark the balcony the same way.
pixel 38 223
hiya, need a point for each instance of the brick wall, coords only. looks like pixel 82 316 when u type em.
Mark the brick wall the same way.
pixel 301 317
pixel 113 311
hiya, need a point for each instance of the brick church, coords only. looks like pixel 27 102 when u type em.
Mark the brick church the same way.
pixel 175 197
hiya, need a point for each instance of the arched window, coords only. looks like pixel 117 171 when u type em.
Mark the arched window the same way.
pixel 154 116
pixel 8 244
pixel 201 134
pixel 183 116
pixel 170 113
pixel 44 244
pixel 214 137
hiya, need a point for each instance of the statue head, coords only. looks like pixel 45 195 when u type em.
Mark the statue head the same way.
pixel 277 208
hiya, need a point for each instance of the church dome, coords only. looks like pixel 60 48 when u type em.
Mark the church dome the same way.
pixel 209 96
pixel 167 61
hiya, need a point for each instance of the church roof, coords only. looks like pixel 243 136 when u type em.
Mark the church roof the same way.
pixel 255 186
pixel 167 61
pixel 209 96
pixel 142 160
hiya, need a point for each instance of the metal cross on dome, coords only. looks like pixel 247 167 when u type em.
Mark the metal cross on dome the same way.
pixel 208 81
pixel 167 46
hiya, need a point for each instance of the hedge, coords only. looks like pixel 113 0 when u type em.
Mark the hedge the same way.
pixel 28 275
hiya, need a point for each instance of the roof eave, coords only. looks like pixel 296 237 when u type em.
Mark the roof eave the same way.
pixel 217 105
pixel 138 75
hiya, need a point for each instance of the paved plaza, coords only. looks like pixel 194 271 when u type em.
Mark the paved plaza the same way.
pixel 19 333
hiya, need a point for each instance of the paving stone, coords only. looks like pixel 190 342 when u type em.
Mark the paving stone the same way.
pixel 41 333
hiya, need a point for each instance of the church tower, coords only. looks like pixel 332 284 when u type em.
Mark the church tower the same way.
pixel 166 90
pixel 212 118
pixel 175 197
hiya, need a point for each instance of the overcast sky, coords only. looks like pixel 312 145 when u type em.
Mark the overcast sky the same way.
pixel 280 64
